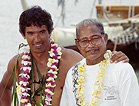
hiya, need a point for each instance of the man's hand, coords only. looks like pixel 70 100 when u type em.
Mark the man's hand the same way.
pixel 119 56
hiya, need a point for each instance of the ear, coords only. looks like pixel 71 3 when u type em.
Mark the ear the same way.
pixel 50 34
pixel 77 44
pixel 106 38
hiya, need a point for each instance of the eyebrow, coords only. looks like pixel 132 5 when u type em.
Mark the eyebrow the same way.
pixel 90 36
pixel 42 30
pixel 29 32
pixel 34 32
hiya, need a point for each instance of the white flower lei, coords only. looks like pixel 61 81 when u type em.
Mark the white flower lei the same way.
pixel 22 88
pixel 98 83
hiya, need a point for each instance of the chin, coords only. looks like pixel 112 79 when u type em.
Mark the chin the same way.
pixel 38 50
pixel 91 57
pixel 94 57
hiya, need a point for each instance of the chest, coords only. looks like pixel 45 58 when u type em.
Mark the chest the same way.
pixel 109 92
pixel 42 70
pixel 109 95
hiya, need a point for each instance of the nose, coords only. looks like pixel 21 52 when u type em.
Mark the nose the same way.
pixel 90 44
pixel 37 38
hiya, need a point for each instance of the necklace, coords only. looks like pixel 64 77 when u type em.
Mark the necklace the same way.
pixel 22 88
pixel 98 85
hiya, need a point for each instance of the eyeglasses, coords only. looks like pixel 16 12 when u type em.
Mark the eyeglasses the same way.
pixel 95 39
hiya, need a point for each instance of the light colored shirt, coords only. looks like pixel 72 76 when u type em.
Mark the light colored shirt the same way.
pixel 120 85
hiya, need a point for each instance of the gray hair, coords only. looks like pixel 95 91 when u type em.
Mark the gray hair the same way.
pixel 88 22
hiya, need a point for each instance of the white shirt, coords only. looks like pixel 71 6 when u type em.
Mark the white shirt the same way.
pixel 120 86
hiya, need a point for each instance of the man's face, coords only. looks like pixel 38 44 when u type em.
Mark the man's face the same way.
pixel 95 49
pixel 37 38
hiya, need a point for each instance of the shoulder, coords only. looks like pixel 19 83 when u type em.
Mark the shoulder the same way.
pixel 71 55
pixel 122 66
pixel 15 59
pixel 12 61
pixel 74 69
pixel 9 73
pixel 71 52
pixel 122 69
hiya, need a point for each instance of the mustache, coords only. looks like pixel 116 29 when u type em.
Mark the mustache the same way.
pixel 92 50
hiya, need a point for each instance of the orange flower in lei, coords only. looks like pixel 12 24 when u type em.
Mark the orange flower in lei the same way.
pixel 22 88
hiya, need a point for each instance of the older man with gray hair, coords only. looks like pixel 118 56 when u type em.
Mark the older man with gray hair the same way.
pixel 94 81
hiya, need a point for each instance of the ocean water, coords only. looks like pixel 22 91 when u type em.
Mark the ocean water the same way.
pixel 10 11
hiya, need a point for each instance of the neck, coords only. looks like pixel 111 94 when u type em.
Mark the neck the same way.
pixel 40 57
pixel 96 61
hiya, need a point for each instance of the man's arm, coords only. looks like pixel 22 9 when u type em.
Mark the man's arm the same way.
pixel 6 95
pixel 6 91
pixel 118 56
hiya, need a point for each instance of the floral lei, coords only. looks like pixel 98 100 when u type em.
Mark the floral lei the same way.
pixel 98 83
pixel 22 88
